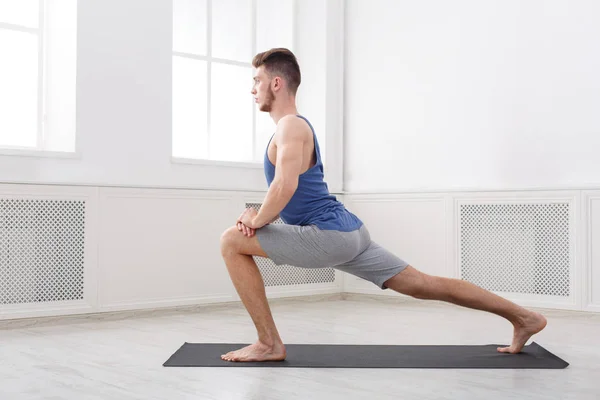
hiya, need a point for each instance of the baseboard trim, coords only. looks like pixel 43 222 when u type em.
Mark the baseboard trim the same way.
pixel 277 292
pixel 592 308
pixel 113 315
pixel 166 303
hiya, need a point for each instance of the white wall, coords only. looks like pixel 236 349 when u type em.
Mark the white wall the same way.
pixel 487 101
pixel 124 103
pixel 471 94
pixel 319 43
pixel 457 90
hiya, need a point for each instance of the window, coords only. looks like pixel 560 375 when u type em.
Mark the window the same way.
pixel 37 75
pixel 214 114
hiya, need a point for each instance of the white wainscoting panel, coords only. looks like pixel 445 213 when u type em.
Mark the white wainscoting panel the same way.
pixel 429 231
pixel 161 247
pixel 414 227
pixel 143 248
pixel 149 248
pixel 45 272
pixel 591 287
pixel 548 243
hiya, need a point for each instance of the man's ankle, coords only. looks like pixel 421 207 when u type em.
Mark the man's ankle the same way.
pixel 521 318
pixel 270 341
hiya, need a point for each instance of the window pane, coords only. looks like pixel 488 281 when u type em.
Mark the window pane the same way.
pixel 265 128
pixel 20 12
pixel 274 24
pixel 231 113
pixel 60 75
pixel 19 93
pixel 189 26
pixel 232 30
pixel 189 108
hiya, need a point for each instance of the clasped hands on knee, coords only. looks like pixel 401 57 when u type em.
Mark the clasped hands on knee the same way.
pixel 245 223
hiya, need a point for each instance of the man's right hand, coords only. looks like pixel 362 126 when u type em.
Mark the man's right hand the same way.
pixel 245 230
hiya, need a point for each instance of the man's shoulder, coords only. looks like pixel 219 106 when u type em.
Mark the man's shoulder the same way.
pixel 292 127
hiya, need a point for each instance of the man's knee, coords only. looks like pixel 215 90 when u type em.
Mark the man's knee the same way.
pixel 230 241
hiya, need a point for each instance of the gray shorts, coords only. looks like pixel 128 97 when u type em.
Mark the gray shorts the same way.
pixel 310 247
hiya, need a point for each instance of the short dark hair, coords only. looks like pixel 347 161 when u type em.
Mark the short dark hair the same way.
pixel 280 61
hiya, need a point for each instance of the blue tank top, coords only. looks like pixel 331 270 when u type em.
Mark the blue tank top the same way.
pixel 312 204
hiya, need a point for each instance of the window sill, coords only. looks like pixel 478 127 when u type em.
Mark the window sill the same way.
pixel 215 163
pixel 38 153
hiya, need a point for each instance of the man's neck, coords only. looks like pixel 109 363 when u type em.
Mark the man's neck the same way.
pixel 279 112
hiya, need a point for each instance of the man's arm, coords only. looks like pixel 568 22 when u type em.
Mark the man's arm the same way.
pixel 290 145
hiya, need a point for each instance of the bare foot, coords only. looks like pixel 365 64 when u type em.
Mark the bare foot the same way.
pixel 529 326
pixel 257 352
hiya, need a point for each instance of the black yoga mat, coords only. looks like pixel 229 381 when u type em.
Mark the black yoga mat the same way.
pixel 532 356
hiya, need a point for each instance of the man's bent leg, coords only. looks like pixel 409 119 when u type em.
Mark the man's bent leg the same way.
pixel 422 286
pixel 237 251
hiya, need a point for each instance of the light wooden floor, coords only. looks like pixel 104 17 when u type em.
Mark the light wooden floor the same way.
pixel 116 358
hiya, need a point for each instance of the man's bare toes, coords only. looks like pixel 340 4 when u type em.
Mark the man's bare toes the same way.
pixel 506 349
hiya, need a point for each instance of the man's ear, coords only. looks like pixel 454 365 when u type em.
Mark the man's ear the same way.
pixel 277 83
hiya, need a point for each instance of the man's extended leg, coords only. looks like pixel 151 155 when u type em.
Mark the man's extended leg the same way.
pixel 237 251
pixel 419 285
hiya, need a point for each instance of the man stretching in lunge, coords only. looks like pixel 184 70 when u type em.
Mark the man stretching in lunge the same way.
pixel 318 231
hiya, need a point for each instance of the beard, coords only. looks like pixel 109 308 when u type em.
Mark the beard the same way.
pixel 267 106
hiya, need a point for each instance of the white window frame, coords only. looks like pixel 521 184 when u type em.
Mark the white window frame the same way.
pixel 39 149
pixel 209 60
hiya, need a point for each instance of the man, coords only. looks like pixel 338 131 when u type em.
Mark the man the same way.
pixel 319 232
